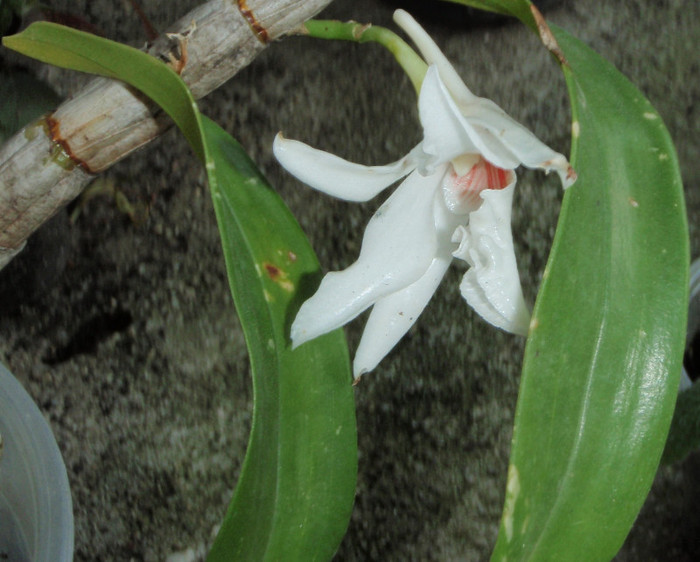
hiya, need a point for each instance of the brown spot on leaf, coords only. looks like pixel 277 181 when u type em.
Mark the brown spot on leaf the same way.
pixel 272 271
pixel 279 276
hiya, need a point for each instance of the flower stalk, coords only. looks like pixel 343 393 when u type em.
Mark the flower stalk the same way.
pixel 414 66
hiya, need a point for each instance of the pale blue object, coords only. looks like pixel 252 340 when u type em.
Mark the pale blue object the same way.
pixel 36 511
pixel 693 316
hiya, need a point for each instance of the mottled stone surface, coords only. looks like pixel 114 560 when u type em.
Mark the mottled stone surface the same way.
pixel 136 357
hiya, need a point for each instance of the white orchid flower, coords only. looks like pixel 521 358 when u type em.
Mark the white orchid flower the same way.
pixel 455 202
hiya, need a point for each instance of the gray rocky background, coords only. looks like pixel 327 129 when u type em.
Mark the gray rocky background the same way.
pixel 134 353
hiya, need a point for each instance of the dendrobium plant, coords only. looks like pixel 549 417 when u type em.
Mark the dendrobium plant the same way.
pixel 454 203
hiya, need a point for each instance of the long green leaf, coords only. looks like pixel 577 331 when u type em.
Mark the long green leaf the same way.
pixel 602 362
pixel 295 493
pixel 604 354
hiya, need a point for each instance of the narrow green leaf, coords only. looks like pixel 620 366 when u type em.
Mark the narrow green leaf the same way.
pixel 604 355
pixel 295 493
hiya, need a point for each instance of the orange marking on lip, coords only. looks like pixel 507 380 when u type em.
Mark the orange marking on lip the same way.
pixel 483 175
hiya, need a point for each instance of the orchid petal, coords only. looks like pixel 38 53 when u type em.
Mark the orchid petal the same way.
pixel 393 315
pixel 433 55
pixel 482 127
pixel 448 134
pixel 491 285
pixel 398 247
pixel 498 129
pixel 444 135
pixel 333 175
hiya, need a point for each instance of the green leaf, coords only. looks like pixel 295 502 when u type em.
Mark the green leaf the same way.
pixel 295 493
pixel 604 354
pixel 603 359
